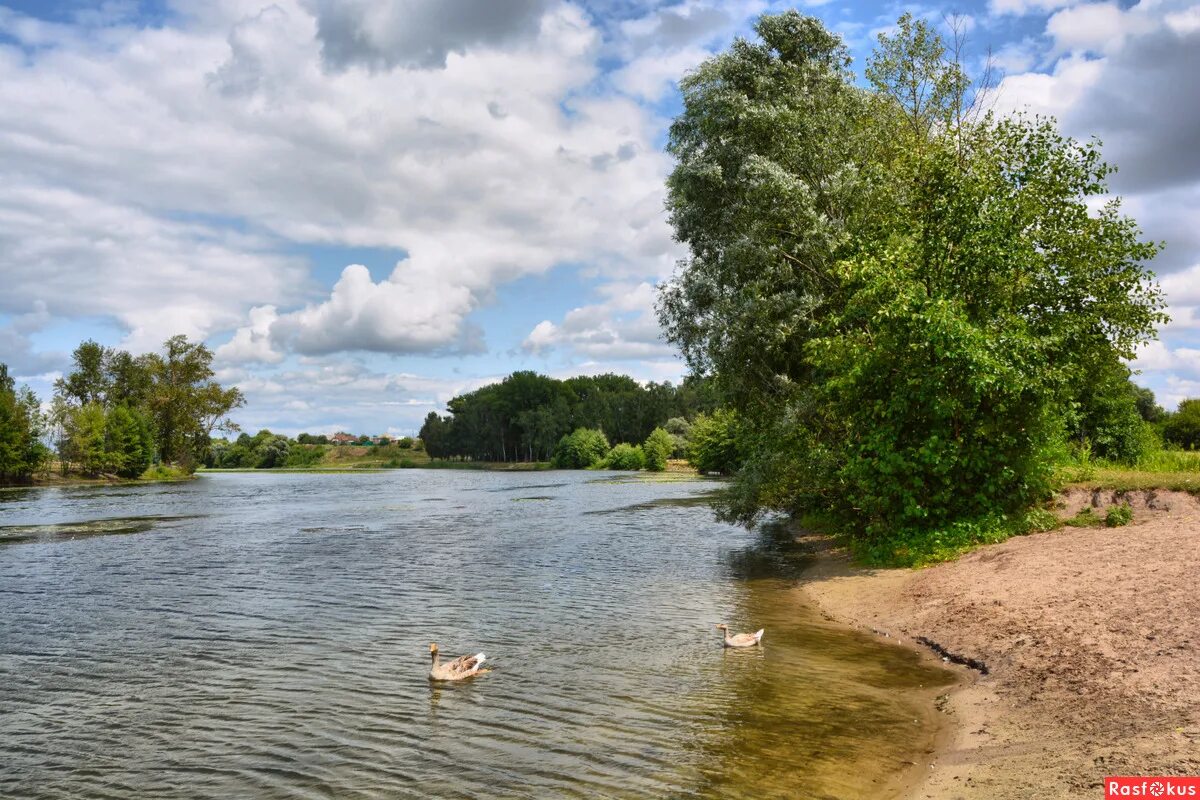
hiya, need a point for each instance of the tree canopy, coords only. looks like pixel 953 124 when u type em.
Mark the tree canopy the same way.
pixel 899 296
pixel 524 417
pixel 116 413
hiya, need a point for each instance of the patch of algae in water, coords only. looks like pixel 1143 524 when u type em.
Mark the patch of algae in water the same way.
pixel 117 526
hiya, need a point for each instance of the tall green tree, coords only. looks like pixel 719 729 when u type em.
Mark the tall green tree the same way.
pixel 1183 427
pixel 22 426
pixel 186 404
pixel 898 297
pixel 128 439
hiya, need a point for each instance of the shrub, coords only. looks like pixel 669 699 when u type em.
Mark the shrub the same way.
pixel 1118 516
pixel 1086 518
pixel 1183 427
pixel 406 443
pixel 658 447
pixel 305 456
pixel 681 433
pixel 714 446
pixel 580 449
pixel 128 439
pixel 626 456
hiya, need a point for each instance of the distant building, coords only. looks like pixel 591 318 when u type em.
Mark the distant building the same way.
pixel 343 438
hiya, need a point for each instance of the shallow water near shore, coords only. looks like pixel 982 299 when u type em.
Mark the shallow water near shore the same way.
pixel 260 635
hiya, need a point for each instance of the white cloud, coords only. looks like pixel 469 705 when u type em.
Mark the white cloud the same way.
pixel 252 343
pixel 1022 7
pixel 341 393
pixel 623 326
pixel 1095 27
pixel 150 173
pixel 412 33
pixel 414 310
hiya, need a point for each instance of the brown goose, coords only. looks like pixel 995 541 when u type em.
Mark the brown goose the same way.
pixel 741 639
pixel 456 670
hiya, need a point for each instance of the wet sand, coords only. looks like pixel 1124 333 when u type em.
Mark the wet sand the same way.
pixel 1090 638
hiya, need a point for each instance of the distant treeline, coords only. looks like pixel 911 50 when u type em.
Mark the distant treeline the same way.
pixel 523 417
pixel 116 414
pixel 267 450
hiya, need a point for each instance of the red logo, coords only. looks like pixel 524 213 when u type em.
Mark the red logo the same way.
pixel 1159 786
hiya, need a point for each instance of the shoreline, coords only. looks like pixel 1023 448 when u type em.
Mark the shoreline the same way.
pixel 71 482
pixel 1089 637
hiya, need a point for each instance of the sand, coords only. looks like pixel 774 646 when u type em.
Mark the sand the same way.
pixel 1090 638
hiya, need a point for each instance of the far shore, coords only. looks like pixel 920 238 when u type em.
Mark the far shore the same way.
pixel 1082 645
pixel 53 480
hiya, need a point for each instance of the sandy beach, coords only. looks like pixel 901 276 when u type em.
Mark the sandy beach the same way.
pixel 1084 641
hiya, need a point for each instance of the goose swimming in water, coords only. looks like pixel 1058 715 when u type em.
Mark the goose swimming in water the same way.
pixel 741 639
pixel 456 670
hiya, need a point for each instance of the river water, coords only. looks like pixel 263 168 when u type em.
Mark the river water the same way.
pixel 267 636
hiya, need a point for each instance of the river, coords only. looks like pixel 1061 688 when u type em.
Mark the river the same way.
pixel 267 636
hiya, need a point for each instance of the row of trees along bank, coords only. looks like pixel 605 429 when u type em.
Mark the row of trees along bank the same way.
pixel 524 417
pixel 912 305
pixel 117 414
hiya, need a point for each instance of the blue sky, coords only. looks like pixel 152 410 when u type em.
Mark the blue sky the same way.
pixel 365 208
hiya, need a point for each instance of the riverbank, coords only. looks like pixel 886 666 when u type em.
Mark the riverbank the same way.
pixel 1089 637
pixel 55 479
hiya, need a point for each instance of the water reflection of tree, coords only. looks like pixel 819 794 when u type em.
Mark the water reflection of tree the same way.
pixel 774 554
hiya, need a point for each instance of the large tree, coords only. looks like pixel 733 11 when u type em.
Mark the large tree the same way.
pixel 900 297
pixel 22 426
pixel 186 403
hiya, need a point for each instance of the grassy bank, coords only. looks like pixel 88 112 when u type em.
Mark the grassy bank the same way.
pixel 1161 470
pixel 52 477
pixel 331 459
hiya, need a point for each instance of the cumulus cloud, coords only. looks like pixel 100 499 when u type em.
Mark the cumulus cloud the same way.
pixel 152 174
pixel 1132 96
pixel 416 33
pixel 342 393
pixel 16 349
pixel 412 311
pixel 623 326
pixel 252 343
pixel 1022 7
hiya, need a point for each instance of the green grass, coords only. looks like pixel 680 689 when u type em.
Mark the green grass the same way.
pixel 1086 518
pixel 164 472
pixel 1176 470
pixel 1118 516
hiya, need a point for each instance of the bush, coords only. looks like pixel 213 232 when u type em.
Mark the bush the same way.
pixel 405 443
pixel 1118 516
pixel 163 472
pixel 1183 427
pixel 128 439
pixel 658 447
pixel 1086 518
pixel 915 547
pixel 681 434
pixel 580 449
pixel 305 456
pixel 626 456
pixel 714 446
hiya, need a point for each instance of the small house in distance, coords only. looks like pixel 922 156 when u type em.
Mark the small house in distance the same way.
pixel 342 438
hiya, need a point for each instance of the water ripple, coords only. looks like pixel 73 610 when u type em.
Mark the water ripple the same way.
pixel 267 636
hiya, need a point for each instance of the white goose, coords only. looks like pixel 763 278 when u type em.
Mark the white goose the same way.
pixel 456 670
pixel 741 639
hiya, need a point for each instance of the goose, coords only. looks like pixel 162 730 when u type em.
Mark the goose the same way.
pixel 456 670
pixel 741 639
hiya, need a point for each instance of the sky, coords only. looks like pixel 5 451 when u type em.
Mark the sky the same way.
pixel 365 208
